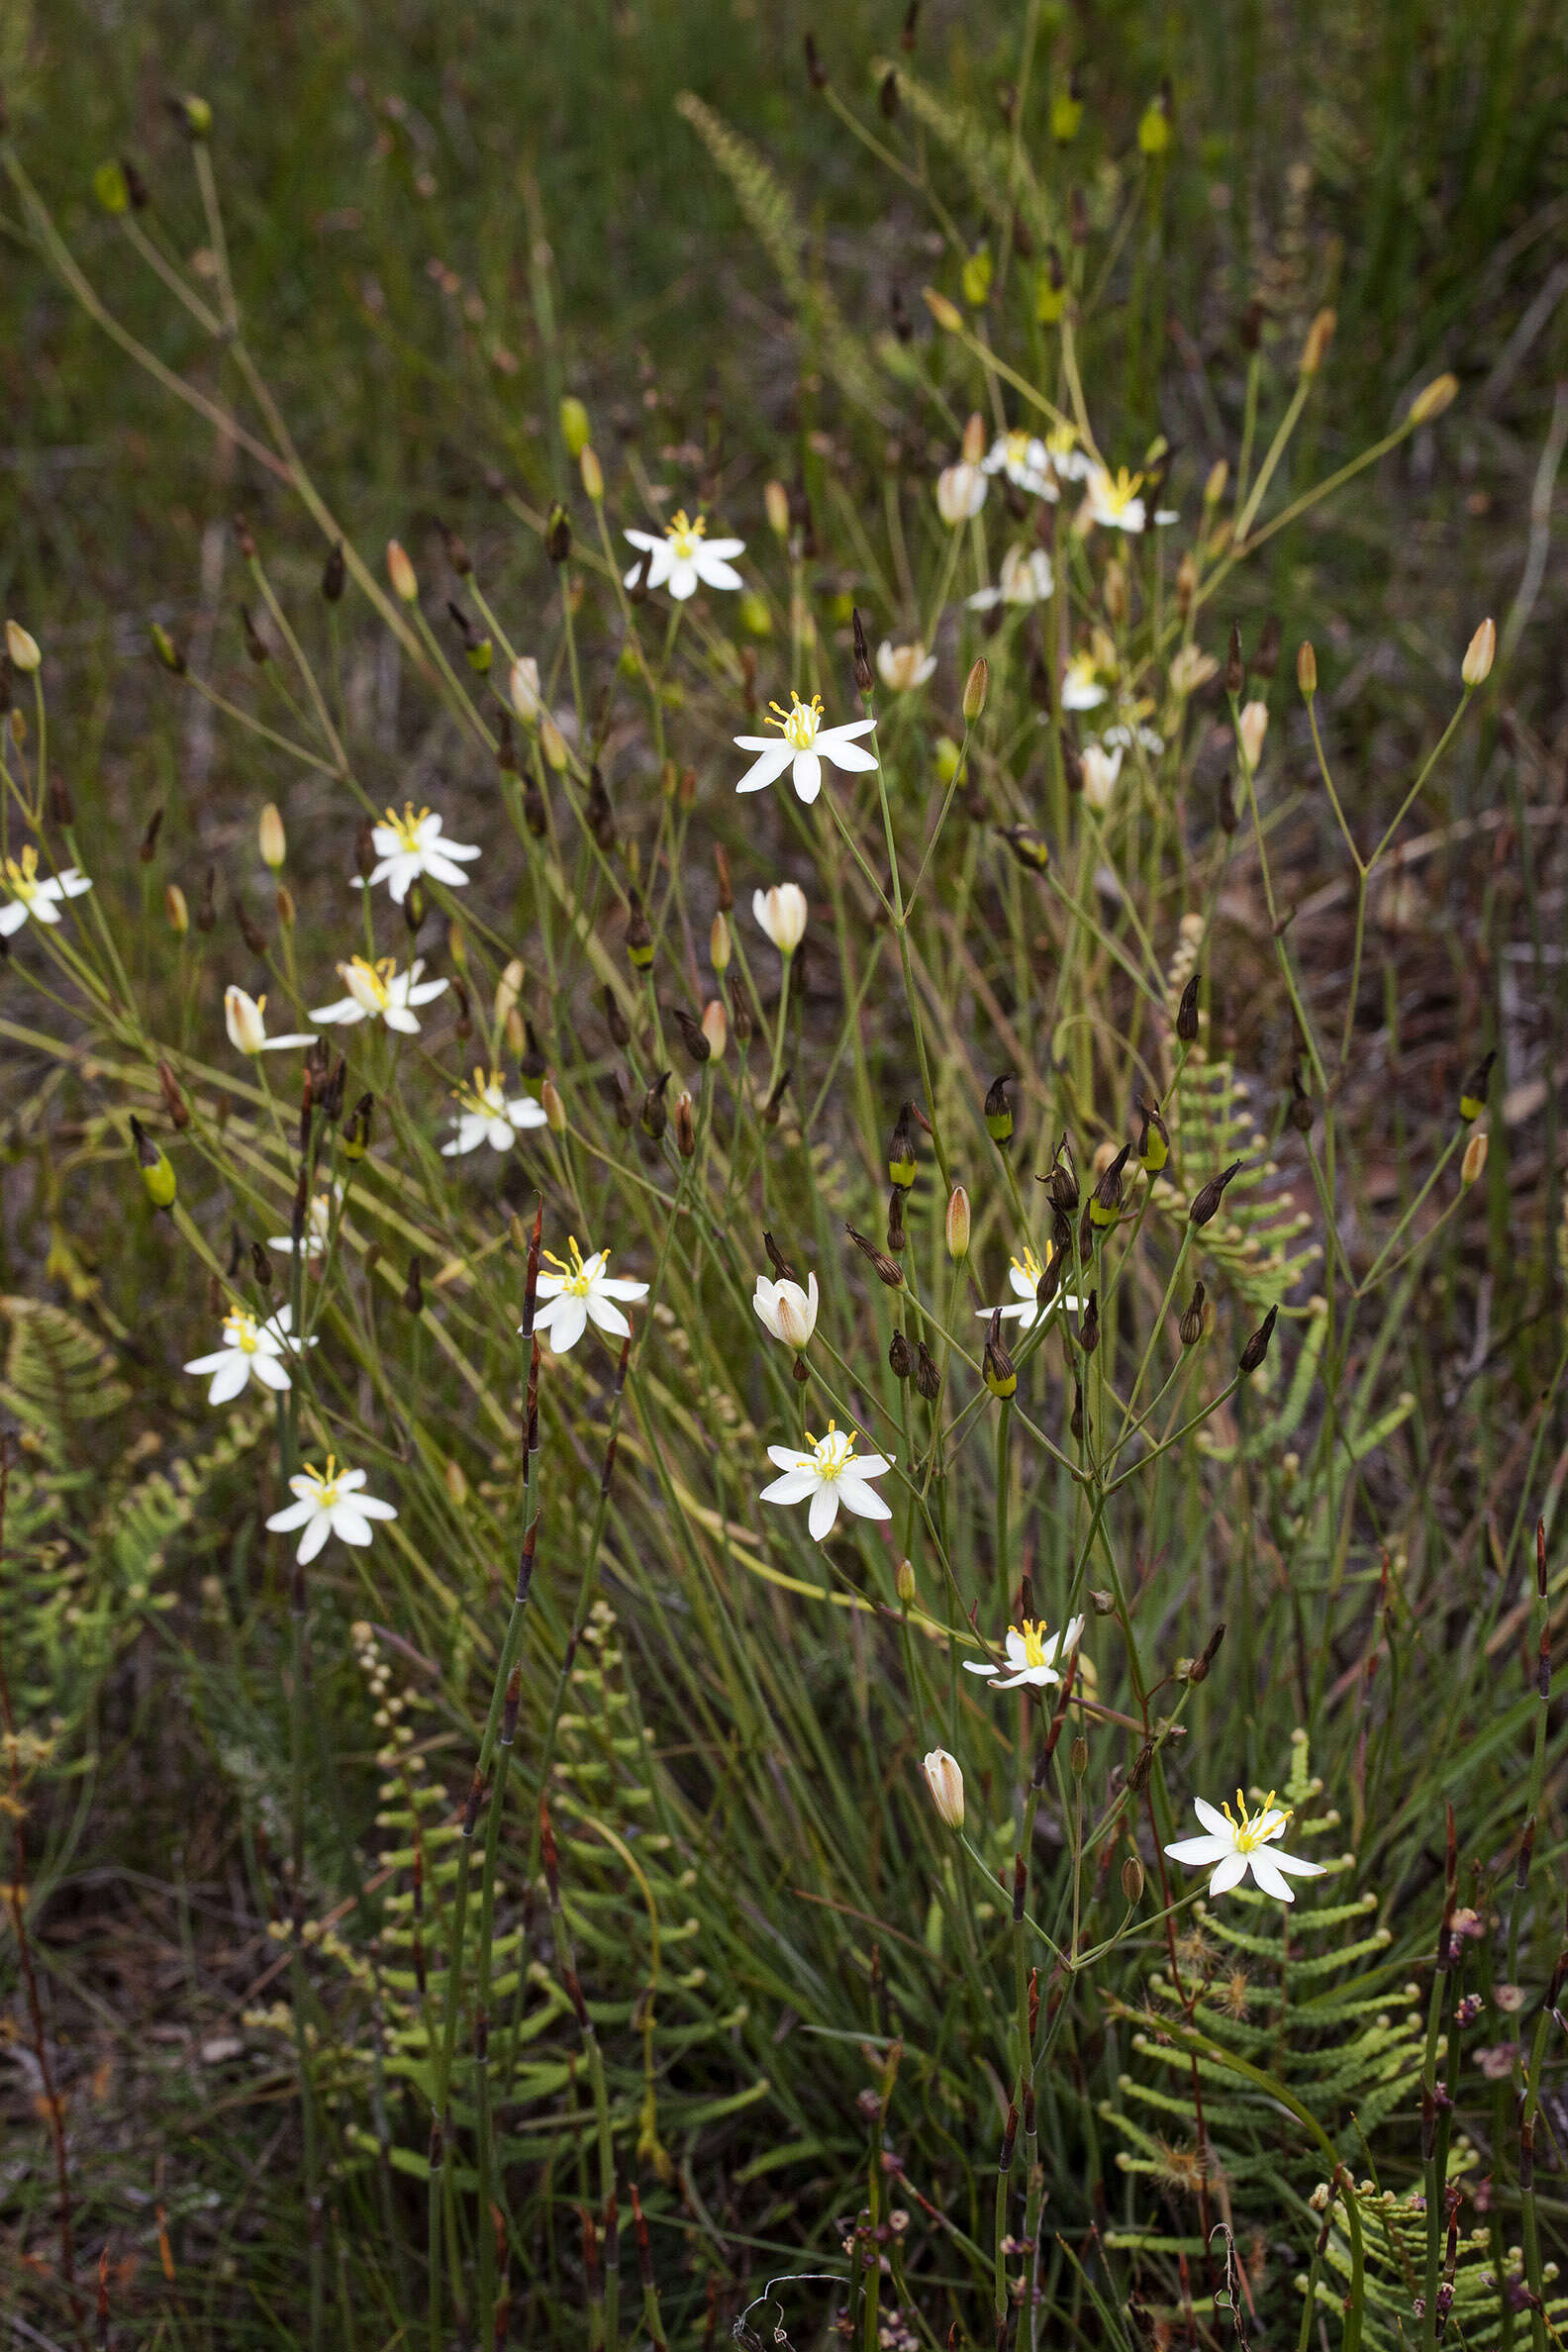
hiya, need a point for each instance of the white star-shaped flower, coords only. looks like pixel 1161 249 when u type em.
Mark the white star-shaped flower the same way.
pixel 1237 1846
pixel 409 845
pixel 484 1116
pixel 1024 461
pixel 317 1225
pixel 1081 687
pixel 831 1473
pixel 785 1309
pixel 1101 769
pixel 251 1350
pixel 1025 578
pixel 683 556
pixel 1032 1655
pixel 1068 462
pixel 1023 1275
pixel 580 1293
pixel 245 1020
pixel 330 1502
pixel 806 744
pixel 29 896
pixel 380 992
pixel 1113 501
pixel 903 667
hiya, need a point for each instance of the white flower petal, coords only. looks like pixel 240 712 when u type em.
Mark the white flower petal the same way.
pixel 808 776
pixel 1231 1871
pixel 823 1512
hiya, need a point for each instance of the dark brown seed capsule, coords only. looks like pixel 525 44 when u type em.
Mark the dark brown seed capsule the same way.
pixel 1187 1012
pixel 886 1269
pixel 927 1380
pixel 693 1035
pixel 1206 1202
pixel 901 1356
pixel 1192 1322
pixel 1257 1346
pixel 1089 1324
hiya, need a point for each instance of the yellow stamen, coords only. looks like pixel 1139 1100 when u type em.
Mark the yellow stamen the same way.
pixel 575 1278
pixel 799 724
pixel 242 1327
pixel 407 825
pixel 683 536
pixel 1250 1835
pixel 23 878
pixel 1033 1635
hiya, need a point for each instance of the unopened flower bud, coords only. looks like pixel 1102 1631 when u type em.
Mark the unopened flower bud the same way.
pixel 22 648
pixel 574 425
pixel 719 944
pixel 945 1783
pixel 976 687
pixel 944 314
pixel 958 1223
pixel 685 1125
pixel 1434 398
pixel 1078 1757
pixel 1319 335
pixel 1154 1144
pixel 775 500
pixel 553 1108
pixel 167 652
pixel 1133 1878
pixel 175 908
pixel 522 684
pixel 1475 1158
pixel 553 744
pixel 1104 1202
pixel 557 533
pixel 1307 668
pixel 904 1583
pixel 974 439
pixel 716 1027
pixel 1253 727
pixel 400 573
pixel 270 837
pixel 1479 655
pixel 1031 848
pixel 901 1163
pixel 157 1175
pixel 592 474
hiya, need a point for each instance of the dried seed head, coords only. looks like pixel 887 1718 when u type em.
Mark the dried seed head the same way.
pixel 557 533
pixel 1265 662
pixel 693 1035
pixel 1104 1202
pixel 1089 1324
pixel 332 573
pixel 1235 667
pixel 639 934
pixel 1001 1373
pixel 900 1164
pixel 652 1115
pixel 998 1110
pixel 1153 1146
pixel 1257 1346
pixel 1031 848
pixel 1187 1012
pixel 886 1269
pixel 927 1380
pixel 901 1356
pixel 1473 1091
pixel 685 1125
pixel 864 675
pixel 1192 1322
pixel 896 1237
pixel 1206 1202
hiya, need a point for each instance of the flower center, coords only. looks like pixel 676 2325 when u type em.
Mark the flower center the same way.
pixel 23 878
pixel 487 1094
pixel 1061 439
pixel 373 979
pixel 325 1483
pixel 831 1455
pixel 799 724
pixel 1032 1631
pixel 1028 1264
pixel 241 1330
pixel 1249 1832
pixel 1017 441
pixel 407 825
pixel 1081 669
pixel 683 537
pixel 1117 494
pixel 576 1280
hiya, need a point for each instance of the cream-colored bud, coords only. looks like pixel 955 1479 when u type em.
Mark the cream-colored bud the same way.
pixel 958 1223
pixel 1307 668
pixel 456 1485
pixel 592 474
pixel 524 687
pixel 1475 1158
pixel 1215 486
pixel 271 838
pixel 1099 769
pixel 947 314
pixel 782 912
pixel 245 1020
pixel 21 647
pixel 1434 398
pixel 716 1027
pixel 719 944
pixel 574 425
pixel 509 988
pixel 1480 655
pixel 976 687
pixel 1253 727
pixel 553 1108
pixel 945 1783
pixel 904 1583
pixel 400 573
pixel 553 742
pixel 175 908
pixel 961 493
pixel 775 501
pixel 1319 335
pixel 974 440
pixel 515 1033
